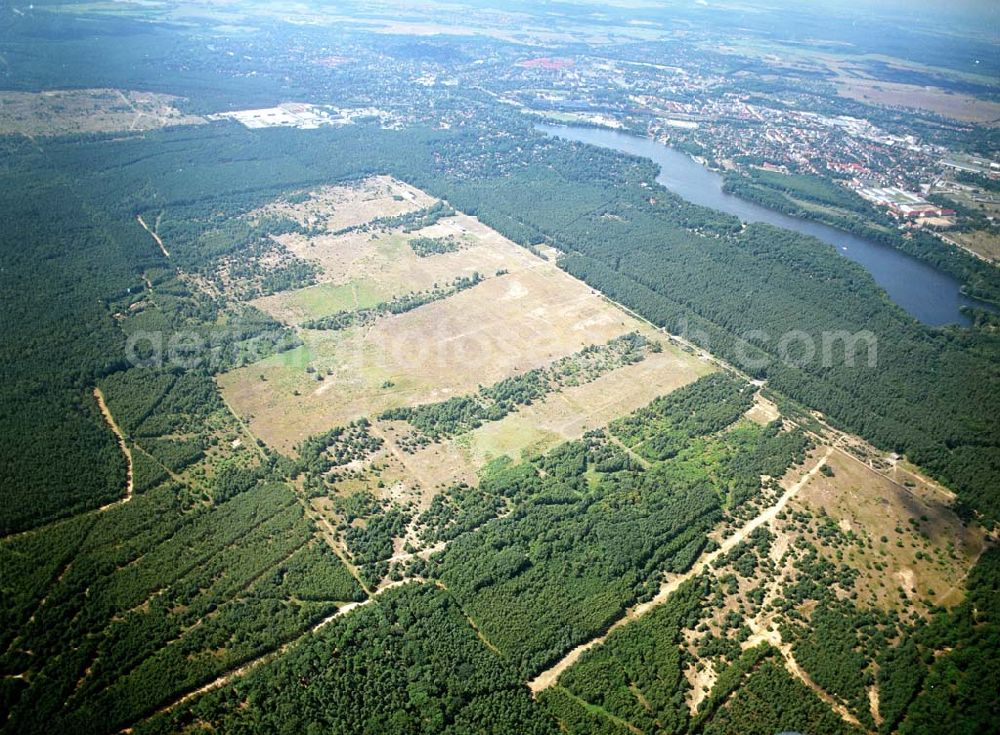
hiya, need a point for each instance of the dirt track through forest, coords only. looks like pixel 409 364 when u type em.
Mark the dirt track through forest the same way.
pixel 548 677
pixel 270 655
pixel 155 236
pixel 129 483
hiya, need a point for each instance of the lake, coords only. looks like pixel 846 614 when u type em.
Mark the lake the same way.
pixel 926 293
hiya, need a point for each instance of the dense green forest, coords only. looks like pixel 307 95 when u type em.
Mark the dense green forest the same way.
pixel 933 393
pixel 591 531
pixel 153 599
pixel 408 664
pixel 544 554
pixel 107 617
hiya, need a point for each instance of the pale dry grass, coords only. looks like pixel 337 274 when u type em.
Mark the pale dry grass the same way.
pixel 383 265
pixel 874 506
pixel 762 411
pixel 571 412
pixel 932 99
pixel 981 242
pixel 525 315
pixel 61 112
pixel 337 207
pixel 505 325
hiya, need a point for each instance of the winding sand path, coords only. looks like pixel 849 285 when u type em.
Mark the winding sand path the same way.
pixel 129 483
pixel 156 237
pixel 548 677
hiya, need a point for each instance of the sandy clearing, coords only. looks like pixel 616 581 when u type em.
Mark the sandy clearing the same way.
pixel 341 207
pixel 927 549
pixel 442 349
pixel 59 112
pixel 572 411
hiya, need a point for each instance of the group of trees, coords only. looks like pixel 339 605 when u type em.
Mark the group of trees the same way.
pixel 944 678
pixel 427 246
pixel 408 222
pixel 154 599
pixel 398 305
pixel 644 657
pixel 771 698
pixel 410 663
pixel 492 403
pixel 337 447
pixel 589 530
pixel 661 429
pixel 543 555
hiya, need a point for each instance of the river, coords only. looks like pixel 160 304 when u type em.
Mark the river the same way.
pixel 926 293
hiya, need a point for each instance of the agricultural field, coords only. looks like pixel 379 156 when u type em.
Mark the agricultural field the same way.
pixel 939 101
pixel 60 112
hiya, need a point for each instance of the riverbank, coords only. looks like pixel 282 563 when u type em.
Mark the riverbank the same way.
pixel 927 294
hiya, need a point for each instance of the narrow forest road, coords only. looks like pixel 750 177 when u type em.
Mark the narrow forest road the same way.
pixel 252 664
pixel 764 634
pixel 155 236
pixel 548 677
pixel 797 671
pixel 110 420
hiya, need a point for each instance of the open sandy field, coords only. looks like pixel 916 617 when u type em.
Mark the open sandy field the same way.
pixel 571 412
pixel 927 549
pixel 505 325
pixel 338 207
pixel 361 269
pixel 562 416
pixel 60 112
pixel 526 314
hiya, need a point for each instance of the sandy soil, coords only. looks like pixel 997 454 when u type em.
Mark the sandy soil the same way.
pixel 60 112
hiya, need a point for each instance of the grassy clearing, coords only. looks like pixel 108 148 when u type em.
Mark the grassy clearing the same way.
pixel 506 325
pixel 984 243
pixel 386 259
pixel 525 315
pixel 323 299
pixel 573 411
